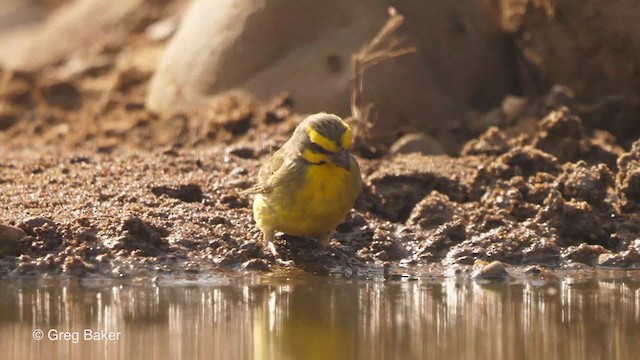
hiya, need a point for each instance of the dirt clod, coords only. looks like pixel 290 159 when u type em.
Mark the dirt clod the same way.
pixel 398 187
pixel 31 225
pixel 7 118
pixel 256 265
pixel 129 78
pixel 628 178
pixel 62 95
pixel 434 210
pixel 588 183
pixel 186 193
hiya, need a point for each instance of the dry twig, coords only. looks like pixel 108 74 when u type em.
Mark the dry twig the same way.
pixel 383 46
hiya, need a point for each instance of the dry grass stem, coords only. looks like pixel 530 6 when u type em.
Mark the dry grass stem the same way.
pixel 384 46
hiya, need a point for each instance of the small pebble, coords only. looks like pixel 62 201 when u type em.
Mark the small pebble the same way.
pixel 491 271
pixel 256 265
pixel 417 143
pixel 31 224
pixel 161 30
pixel 533 270
pixel 9 237
pixel 244 152
pixel 513 106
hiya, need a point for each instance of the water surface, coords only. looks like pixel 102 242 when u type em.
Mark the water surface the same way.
pixel 308 317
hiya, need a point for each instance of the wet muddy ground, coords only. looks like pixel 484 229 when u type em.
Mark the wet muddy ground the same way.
pixel 91 183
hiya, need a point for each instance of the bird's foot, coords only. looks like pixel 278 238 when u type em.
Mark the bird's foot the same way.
pixel 277 257
pixel 344 259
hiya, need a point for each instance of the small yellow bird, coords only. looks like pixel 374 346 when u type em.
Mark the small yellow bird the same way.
pixel 309 186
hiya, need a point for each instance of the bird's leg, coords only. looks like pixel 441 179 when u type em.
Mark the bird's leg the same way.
pixel 325 240
pixel 267 238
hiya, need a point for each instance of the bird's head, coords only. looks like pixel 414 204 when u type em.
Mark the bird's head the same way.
pixel 325 139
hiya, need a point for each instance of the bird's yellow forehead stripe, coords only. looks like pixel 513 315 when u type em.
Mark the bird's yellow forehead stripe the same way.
pixel 321 140
pixel 346 137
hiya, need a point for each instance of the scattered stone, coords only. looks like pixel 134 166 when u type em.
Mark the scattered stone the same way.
pixel 162 30
pixel 44 234
pixel 238 171
pixel 389 251
pixel 602 147
pixel 417 143
pixel 494 271
pixel 255 265
pixel 9 238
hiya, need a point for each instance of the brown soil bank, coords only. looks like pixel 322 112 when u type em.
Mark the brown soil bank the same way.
pixel 561 196
pixel 591 46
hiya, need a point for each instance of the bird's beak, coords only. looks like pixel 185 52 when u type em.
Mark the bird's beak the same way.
pixel 341 159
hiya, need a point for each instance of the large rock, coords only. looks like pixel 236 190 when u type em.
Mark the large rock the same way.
pixel 305 47
pixel 264 46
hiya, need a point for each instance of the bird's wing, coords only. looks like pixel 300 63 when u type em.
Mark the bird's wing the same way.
pixel 270 174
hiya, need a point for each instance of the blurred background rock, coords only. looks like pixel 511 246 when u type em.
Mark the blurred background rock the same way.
pixel 471 54
pixel 14 13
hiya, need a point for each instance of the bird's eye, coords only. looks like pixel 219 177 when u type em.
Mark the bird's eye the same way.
pixel 319 149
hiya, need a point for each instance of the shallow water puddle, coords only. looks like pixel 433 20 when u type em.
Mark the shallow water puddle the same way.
pixel 307 317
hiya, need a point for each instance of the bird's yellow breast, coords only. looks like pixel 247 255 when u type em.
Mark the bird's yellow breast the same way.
pixel 312 207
